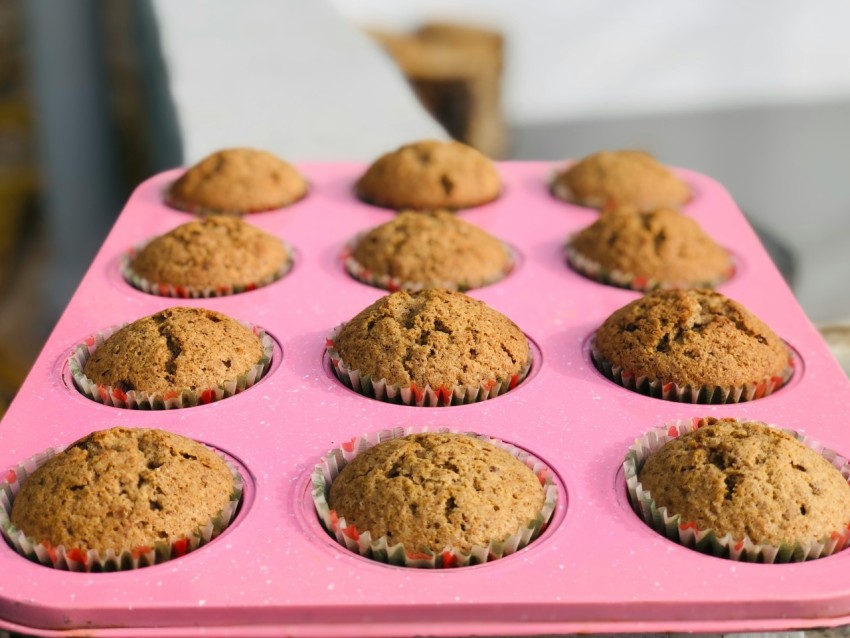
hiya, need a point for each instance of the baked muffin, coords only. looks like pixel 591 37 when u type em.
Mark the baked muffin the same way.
pixel 607 179
pixel 748 480
pixel 428 175
pixel 174 352
pixel 437 491
pixel 643 251
pixel 127 490
pixel 455 346
pixel 237 181
pixel 208 257
pixel 416 251
pixel 695 346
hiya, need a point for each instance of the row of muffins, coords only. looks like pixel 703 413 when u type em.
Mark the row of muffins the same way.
pixel 641 243
pixel 127 498
pixel 425 175
pixel 437 347
pixel 218 256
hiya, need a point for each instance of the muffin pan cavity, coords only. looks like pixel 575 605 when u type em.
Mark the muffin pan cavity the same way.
pixel 231 476
pixel 321 519
pixel 597 567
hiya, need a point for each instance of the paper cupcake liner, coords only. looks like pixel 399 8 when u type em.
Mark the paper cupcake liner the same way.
pixel 706 394
pixel 193 292
pixel 564 193
pixel 204 211
pixel 381 550
pixel 708 541
pixel 430 397
pixel 393 284
pixel 77 560
pixel 140 400
pixel 613 277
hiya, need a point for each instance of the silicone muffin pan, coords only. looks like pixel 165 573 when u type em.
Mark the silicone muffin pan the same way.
pixel 596 568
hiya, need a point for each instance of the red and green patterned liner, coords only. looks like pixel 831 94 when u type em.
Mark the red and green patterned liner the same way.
pixel 393 284
pixel 78 560
pixel 706 394
pixel 614 277
pixel 381 550
pixel 707 541
pixel 192 292
pixel 430 397
pixel 140 400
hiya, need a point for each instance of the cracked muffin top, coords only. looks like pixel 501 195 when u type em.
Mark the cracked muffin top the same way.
pixel 607 179
pixel 236 181
pixel 743 477
pixel 662 245
pixel 435 337
pixel 174 350
pixel 428 175
pixel 433 250
pixel 210 252
pixel 691 337
pixel 431 491
pixel 121 489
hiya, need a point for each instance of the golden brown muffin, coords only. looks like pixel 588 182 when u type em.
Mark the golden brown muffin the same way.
pixel 434 337
pixel 428 175
pixel 691 338
pixel 236 181
pixel 211 253
pixel 123 489
pixel 607 179
pixel 745 478
pixel 425 251
pixel 174 350
pixel 435 490
pixel 646 250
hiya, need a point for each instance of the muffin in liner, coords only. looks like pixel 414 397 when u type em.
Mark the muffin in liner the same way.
pixel 614 277
pixel 77 560
pixel 192 292
pixel 140 400
pixel 381 550
pixel 603 198
pixel 364 275
pixel 414 395
pixel 671 391
pixel 236 181
pixel 707 541
pixel 428 175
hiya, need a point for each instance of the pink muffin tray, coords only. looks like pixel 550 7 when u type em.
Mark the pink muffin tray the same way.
pixel 597 568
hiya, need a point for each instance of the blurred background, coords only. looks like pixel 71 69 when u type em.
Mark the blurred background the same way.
pixel 95 97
